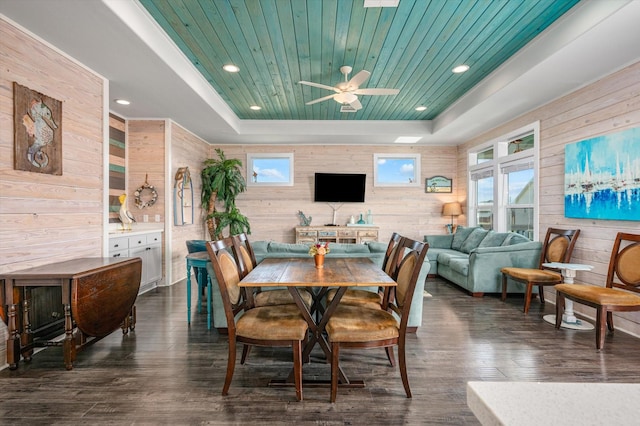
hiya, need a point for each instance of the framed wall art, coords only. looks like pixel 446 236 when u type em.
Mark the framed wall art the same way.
pixel 438 184
pixel 602 177
pixel 37 123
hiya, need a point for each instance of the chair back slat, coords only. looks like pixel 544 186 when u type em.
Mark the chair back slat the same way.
pixel 390 253
pixel 227 271
pixel 624 266
pixel 558 246
pixel 407 277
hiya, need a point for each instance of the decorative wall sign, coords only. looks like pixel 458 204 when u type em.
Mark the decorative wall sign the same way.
pixel 183 198
pixel 37 124
pixel 602 177
pixel 438 184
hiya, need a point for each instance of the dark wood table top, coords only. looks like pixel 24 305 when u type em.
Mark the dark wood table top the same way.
pixel 64 269
pixel 301 272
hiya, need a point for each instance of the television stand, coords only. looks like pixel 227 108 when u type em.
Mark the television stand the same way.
pixel 336 234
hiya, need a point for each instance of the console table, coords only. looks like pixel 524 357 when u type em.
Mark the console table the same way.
pixel 350 234
pixel 98 296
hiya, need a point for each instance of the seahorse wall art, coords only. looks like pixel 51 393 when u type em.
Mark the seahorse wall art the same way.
pixel 37 131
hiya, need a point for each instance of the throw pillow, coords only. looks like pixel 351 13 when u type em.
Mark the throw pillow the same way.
pixel 473 240
pixel 458 238
pixel 493 239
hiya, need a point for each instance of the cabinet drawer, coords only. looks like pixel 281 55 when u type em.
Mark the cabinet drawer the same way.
pixel 347 233
pixel 117 244
pixel 327 233
pixel 368 234
pixel 154 238
pixel 119 253
pixel 137 241
pixel 311 234
pixel 305 240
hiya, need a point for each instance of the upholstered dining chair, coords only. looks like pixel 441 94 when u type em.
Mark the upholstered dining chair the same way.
pixel 621 292
pixel 247 261
pixel 557 247
pixel 353 326
pixel 354 296
pixel 276 326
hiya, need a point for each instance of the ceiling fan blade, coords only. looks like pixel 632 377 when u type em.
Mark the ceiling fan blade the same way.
pixel 374 91
pixel 315 101
pixel 358 79
pixel 321 86
pixel 356 104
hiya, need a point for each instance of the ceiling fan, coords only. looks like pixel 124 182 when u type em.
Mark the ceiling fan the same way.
pixel 346 91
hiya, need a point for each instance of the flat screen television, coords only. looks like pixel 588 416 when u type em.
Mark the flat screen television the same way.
pixel 339 187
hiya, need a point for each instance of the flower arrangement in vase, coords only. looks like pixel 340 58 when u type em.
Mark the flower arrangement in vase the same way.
pixel 318 250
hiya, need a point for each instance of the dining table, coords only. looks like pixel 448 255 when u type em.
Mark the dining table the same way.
pixel 297 274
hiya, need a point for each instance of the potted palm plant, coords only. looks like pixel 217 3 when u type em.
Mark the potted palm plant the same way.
pixel 222 181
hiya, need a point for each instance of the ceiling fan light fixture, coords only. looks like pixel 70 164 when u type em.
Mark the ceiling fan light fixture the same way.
pixel 421 108
pixel 460 69
pixel 231 68
pixel 345 98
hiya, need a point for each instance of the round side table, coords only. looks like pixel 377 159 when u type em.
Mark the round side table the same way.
pixel 569 319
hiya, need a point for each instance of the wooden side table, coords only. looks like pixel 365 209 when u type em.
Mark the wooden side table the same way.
pixel 569 319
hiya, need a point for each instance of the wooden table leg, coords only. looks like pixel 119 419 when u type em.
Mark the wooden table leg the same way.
pixel 26 339
pixel 69 345
pixel 13 342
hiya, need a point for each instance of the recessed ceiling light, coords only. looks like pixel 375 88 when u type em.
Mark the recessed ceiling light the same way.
pixel 408 139
pixel 421 108
pixel 230 68
pixel 460 69
pixel 122 101
pixel 255 107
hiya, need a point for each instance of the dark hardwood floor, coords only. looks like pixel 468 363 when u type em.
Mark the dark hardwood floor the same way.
pixel 168 373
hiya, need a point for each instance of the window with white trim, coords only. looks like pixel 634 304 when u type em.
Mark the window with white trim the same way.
pixel 503 183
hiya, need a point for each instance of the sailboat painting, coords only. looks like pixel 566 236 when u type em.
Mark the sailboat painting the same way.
pixel 602 177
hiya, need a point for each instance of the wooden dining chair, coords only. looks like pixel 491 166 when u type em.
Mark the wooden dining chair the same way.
pixel 621 292
pixel 353 326
pixel 274 326
pixel 557 247
pixel 354 296
pixel 262 297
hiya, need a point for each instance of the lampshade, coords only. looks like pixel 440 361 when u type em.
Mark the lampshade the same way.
pixel 451 209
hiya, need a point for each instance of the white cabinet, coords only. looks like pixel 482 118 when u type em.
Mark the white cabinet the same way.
pixel 148 247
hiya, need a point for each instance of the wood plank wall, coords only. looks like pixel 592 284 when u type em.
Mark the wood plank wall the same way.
pixel 46 218
pixel 187 150
pixel 272 211
pixel 609 105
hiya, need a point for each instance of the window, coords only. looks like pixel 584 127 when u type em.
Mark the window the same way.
pixel 396 170
pixel 270 169
pixel 503 186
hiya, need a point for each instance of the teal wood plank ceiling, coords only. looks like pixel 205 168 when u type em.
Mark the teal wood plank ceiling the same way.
pixel 413 48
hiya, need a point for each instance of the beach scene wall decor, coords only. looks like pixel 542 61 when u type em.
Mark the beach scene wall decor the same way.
pixel 602 177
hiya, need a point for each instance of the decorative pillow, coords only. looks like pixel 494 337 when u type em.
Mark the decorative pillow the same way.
pixel 493 239
pixel 515 238
pixel 458 238
pixel 473 240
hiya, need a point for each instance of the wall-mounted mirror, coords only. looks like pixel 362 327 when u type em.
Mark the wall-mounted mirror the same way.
pixel 183 198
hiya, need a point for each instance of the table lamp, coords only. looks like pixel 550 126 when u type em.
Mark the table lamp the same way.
pixel 451 209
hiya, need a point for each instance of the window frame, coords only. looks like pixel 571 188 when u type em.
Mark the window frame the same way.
pixel 415 159
pixel 499 167
pixel 251 158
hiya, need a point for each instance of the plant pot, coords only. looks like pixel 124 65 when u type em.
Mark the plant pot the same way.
pixel 319 259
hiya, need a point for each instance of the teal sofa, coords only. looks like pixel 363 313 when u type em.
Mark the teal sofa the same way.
pixel 472 258
pixel 373 250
